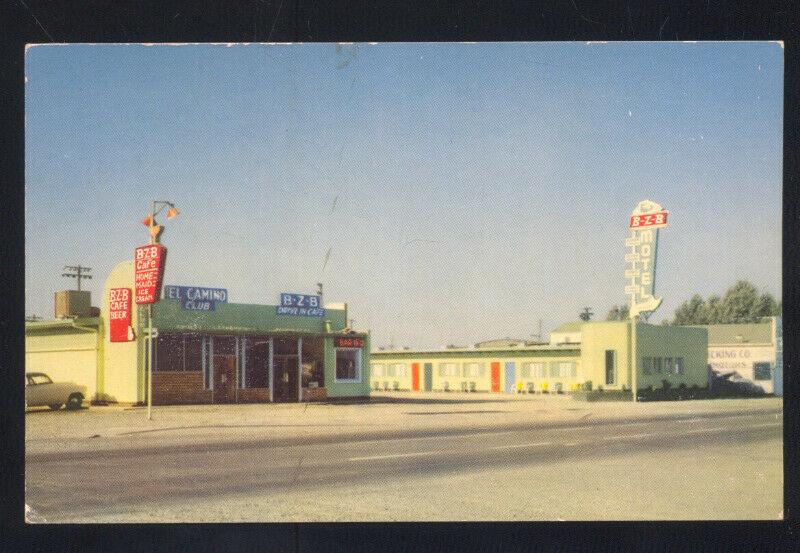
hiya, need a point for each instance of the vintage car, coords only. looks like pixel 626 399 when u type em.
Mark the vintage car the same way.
pixel 41 391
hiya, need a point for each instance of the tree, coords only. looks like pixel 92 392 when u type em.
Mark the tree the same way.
pixel 618 313
pixel 741 303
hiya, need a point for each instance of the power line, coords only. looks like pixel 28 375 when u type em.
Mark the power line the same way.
pixel 78 272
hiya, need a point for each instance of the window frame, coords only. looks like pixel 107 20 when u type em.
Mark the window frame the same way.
pixel 613 368
pixel 358 367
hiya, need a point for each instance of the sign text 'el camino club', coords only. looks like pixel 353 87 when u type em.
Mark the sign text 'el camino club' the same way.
pixel 300 305
pixel 196 298
pixel 642 243
pixel 149 264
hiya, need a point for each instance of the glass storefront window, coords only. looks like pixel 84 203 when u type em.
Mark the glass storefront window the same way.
pixel 348 364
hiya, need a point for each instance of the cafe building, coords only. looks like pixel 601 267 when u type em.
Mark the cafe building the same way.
pixel 206 349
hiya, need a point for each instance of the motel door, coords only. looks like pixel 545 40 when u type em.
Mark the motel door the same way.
pixel 284 378
pixel 415 377
pixel 224 378
pixel 495 376
pixel 428 377
pixel 511 376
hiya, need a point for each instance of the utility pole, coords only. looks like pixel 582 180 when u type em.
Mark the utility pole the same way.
pixel 319 293
pixel 77 272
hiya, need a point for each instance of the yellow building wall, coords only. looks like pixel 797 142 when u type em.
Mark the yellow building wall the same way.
pixel 673 341
pixel 596 338
pixel 121 382
pixel 65 356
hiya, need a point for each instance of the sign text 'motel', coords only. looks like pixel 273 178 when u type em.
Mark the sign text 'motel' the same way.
pixel 196 298
pixel 300 305
pixel 149 264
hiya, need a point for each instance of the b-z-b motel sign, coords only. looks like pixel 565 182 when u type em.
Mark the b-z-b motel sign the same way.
pixel 149 264
pixel 640 273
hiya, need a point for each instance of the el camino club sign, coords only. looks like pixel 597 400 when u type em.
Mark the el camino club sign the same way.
pixel 196 298
pixel 642 243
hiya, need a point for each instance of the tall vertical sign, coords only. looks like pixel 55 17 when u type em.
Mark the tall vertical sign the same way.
pixel 149 264
pixel 642 243
pixel 119 315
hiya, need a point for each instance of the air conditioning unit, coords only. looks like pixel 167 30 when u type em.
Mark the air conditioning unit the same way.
pixel 464 387
pixel 471 386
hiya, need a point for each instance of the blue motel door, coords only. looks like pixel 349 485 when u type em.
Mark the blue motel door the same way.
pixel 511 376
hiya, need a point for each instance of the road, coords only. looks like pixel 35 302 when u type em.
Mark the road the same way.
pixel 715 465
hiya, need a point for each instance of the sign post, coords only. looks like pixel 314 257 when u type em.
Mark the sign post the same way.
pixel 645 221
pixel 149 264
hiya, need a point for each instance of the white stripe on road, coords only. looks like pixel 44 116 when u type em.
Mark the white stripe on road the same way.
pixel 693 420
pixel 514 446
pixel 702 430
pixel 397 455
pixel 624 436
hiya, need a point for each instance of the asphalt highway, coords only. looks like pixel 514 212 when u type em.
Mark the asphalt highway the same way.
pixel 243 479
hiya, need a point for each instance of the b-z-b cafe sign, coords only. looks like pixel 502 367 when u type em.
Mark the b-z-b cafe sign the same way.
pixel 300 305
pixel 348 342
pixel 149 264
pixel 642 243
pixel 119 315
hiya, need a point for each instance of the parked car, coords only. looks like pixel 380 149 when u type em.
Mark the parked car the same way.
pixel 40 390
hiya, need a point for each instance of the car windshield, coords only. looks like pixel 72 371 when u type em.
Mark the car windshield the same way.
pixel 40 379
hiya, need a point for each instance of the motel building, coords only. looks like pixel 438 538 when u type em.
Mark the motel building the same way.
pixel 205 349
pixel 602 353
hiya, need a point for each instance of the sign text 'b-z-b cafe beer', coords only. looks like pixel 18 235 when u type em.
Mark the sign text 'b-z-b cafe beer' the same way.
pixel 149 264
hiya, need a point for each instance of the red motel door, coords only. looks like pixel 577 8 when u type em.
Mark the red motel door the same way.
pixel 495 377
pixel 415 377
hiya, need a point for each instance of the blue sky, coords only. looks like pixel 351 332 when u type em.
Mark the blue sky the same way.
pixel 465 190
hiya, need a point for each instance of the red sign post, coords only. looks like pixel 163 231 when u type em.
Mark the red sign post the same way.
pixel 119 314
pixel 149 272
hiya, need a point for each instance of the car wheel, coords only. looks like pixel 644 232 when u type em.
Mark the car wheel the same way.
pixel 55 406
pixel 74 402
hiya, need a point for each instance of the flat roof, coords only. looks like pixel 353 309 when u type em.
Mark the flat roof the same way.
pixel 517 349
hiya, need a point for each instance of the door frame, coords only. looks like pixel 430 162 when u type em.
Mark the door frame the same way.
pixel 229 373
pixel 511 367
pixel 495 382
pixel 428 370
pixel 297 375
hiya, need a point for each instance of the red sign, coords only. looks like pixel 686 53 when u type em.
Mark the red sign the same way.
pixel 119 314
pixel 149 264
pixel 347 342
pixel 649 220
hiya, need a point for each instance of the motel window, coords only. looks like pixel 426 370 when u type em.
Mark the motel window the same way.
pixel 555 370
pixel 348 364
pixel 473 370
pixel 647 365
pixel 680 368
pixel 400 370
pixel 610 366
pixel 530 370
pixel 376 370
pixel 169 353
pixel 256 369
pixel 668 366
pixel 658 362
pixel 568 369
pixel 762 371
pixel 448 369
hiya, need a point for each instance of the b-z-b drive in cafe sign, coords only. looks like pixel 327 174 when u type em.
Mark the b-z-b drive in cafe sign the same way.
pixel 149 264
pixel 119 314
pixel 642 244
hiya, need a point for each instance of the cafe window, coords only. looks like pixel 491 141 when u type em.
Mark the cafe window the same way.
pixel 256 364
pixel 169 353
pixel 658 362
pixel 680 368
pixel 348 364
pixel 647 367
pixel 762 371
pixel 192 352
pixel 668 366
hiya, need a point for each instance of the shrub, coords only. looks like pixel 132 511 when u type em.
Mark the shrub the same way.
pixel 587 385
pixel 666 384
